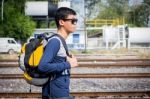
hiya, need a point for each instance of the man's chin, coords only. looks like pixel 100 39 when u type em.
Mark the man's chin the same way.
pixel 71 32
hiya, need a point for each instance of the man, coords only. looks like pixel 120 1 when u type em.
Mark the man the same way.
pixel 55 60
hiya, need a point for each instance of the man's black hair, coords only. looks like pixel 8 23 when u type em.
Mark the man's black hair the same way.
pixel 62 13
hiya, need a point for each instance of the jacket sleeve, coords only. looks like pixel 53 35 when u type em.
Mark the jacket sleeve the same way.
pixel 46 64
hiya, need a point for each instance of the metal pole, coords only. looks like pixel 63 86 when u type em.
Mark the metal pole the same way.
pixel 2 9
pixel 47 21
pixel 134 14
pixel 85 29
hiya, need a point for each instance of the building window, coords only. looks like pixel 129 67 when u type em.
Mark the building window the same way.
pixel 76 38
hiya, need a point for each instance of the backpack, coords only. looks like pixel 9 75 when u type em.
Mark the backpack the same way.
pixel 30 56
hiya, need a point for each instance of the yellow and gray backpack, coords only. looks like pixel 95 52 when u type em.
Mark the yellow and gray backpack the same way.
pixel 31 54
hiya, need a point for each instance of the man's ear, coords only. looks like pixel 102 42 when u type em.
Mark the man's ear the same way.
pixel 61 22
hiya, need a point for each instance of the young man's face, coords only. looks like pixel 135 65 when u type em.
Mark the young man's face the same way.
pixel 69 24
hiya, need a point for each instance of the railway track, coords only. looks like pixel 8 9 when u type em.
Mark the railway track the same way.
pixel 89 63
pixel 90 59
pixel 93 64
pixel 135 95
pixel 114 59
pixel 88 75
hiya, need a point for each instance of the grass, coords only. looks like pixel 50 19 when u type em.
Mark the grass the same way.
pixel 116 51
pixel 144 54
pixel 140 53
pixel 7 56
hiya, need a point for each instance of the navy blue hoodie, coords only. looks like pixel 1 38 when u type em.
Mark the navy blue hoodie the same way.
pixel 54 63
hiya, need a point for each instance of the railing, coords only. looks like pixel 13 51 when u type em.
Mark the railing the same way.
pixel 101 22
pixel 55 1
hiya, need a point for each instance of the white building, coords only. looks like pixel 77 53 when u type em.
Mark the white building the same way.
pixel 112 37
pixel 75 40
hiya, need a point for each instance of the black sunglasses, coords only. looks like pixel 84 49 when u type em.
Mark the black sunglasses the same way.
pixel 73 21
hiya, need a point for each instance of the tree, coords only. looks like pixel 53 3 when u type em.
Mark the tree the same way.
pixel 92 8
pixel 112 9
pixel 147 2
pixel 15 23
pixel 139 15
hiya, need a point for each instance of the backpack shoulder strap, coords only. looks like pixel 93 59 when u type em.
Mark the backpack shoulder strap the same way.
pixel 62 40
pixel 64 44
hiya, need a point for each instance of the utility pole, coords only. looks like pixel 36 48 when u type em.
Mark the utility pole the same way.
pixel 2 9
pixel 85 50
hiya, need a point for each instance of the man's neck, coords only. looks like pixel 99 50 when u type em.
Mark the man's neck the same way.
pixel 62 33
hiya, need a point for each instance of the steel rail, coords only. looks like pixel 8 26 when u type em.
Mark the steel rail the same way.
pixel 95 64
pixel 134 94
pixel 91 59
pixel 88 75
